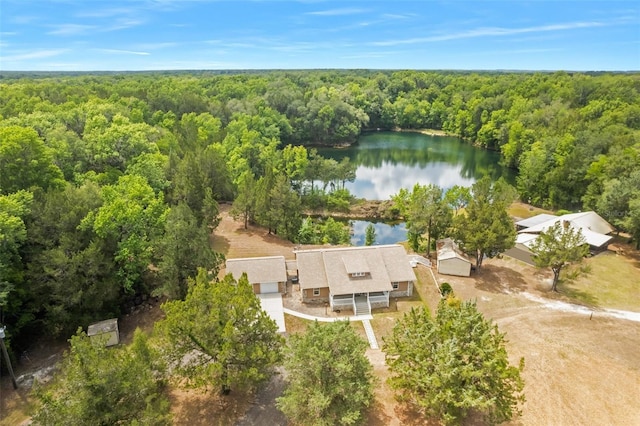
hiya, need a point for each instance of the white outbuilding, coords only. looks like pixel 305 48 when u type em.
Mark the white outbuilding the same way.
pixel 451 260
pixel 107 329
pixel 594 228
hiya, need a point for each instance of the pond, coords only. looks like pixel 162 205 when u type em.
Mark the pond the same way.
pixel 386 233
pixel 388 161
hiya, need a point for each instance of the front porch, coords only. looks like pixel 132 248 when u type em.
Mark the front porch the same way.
pixel 359 303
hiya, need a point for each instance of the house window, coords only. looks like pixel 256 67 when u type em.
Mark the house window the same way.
pixel 395 285
pixel 358 274
pixel 316 292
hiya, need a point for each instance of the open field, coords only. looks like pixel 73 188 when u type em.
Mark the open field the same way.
pixel 611 281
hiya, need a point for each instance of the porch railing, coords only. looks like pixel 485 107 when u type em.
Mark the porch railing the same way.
pixel 341 301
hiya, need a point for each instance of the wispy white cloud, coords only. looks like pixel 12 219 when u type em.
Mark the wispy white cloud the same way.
pixel 491 31
pixel 398 15
pixel 106 13
pixel 7 33
pixel 122 24
pixel 517 51
pixel 369 55
pixel 123 52
pixel 155 46
pixel 24 19
pixel 70 29
pixel 337 12
pixel 36 54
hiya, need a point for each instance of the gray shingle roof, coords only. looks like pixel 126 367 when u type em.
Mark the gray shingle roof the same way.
pixel 332 267
pixel 259 269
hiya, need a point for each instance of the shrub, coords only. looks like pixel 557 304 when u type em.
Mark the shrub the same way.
pixel 445 289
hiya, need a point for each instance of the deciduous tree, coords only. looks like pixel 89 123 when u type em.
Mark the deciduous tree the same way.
pixel 558 246
pixel 25 161
pixel 133 217
pixel 425 211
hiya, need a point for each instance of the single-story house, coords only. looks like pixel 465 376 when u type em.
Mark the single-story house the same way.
pixel 355 278
pixel 451 260
pixel 534 221
pixel 265 274
pixel 594 229
pixel 521 249
pixel 107 329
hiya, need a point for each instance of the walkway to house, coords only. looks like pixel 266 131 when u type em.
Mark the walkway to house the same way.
pixel 364 318
pixel 370 334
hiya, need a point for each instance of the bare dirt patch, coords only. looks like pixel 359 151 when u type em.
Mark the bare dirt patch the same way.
pixel 231 239
pixel 194 407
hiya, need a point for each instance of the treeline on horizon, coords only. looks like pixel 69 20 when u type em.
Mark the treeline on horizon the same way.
pixel 104 174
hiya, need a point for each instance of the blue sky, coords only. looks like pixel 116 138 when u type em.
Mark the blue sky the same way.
pixel 89 35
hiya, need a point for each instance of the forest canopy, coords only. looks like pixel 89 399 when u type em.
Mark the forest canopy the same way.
pixel 100 174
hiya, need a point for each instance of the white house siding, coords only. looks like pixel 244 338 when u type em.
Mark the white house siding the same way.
pixel 454 266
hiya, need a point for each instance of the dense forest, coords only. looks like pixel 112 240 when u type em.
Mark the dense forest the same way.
pixel 110 183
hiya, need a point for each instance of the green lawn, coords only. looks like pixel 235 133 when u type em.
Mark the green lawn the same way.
pixel 611 281
pixel 525 211
pixel 295 324
pixel 424 294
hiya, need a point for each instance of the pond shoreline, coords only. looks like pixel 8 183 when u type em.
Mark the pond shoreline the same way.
pixel 361 209
pixel 428 132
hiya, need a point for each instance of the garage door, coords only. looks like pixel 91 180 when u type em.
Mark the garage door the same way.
pixel 268 288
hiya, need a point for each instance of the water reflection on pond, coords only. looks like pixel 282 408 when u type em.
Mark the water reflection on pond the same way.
pixel 385 233
pixel 388 161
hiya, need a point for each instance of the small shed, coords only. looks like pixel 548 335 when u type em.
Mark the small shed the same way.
pixel 451 260
pixel 108 328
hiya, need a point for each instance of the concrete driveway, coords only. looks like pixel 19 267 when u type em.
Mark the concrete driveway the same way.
pixel 272 305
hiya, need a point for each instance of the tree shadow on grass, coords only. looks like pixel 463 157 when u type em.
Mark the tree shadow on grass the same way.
pixel 499 279
pixel 568 288
pixel 219 244
pixel 578 296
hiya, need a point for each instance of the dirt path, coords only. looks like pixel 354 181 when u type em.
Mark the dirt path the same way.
pixel 263 409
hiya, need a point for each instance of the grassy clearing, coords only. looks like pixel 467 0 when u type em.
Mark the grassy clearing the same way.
pixel 612 281
pixel 525 211
pixel 296 325
pixel 424 294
